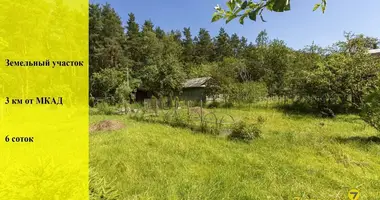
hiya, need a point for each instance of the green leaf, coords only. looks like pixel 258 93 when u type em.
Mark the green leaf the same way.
pixel 324 6
pixel 231 17
pixel 280 5
pixel 316 6
pixel 216 17
pixel 287 7
pixel 241 20
pixel 231 4
pixel 252 5
pixel 262 18
pixel 253 15
pixel 244 5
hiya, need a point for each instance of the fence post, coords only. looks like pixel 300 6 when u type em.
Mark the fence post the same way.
pixel 188 109
pixel 201 112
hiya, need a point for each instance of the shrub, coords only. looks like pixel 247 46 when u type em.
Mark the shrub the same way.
pixel 166 118
pixel 228 105
pixel 104 108
pixel 139 115
pixel 371 110
pixel 92 101
pixel 179 120
pixel 214 104
pixel 244 132
pixel 93 111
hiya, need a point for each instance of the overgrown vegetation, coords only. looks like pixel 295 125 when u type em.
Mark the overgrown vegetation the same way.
pixel 371 110
pixel 319 158
pixel 244 132
pixel 122 59
pixel 104 108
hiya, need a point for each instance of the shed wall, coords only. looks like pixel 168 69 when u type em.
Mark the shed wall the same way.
pixel 193 94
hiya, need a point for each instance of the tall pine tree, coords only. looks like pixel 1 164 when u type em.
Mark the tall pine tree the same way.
pixel 223 48
pixel 204 48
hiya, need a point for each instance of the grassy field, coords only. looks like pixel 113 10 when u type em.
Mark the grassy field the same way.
pixel 297 156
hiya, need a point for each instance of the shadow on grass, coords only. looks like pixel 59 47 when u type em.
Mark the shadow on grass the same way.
pixel 300 110
pixel 363 140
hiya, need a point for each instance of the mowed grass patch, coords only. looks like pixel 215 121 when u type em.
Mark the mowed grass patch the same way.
pixel 296 157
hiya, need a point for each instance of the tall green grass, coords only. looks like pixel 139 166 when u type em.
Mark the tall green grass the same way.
pixel 296 156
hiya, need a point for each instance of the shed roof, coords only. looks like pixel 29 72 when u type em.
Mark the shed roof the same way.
pixel 196 82
pixel 374 51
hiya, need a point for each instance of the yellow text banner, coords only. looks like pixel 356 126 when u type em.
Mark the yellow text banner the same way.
pixel 43 99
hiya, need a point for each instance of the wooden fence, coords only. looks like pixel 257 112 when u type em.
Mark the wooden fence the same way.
pixel 189 115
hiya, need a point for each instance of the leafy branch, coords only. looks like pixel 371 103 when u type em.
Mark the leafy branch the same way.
pixel 243 9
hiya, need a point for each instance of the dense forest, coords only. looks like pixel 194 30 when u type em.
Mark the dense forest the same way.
pixel 122 58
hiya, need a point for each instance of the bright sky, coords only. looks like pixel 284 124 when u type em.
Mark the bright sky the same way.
pixel 298 27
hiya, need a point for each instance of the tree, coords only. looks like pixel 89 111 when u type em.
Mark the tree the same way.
pixel 106 39
pixel 277 64
pixel 188 46
pixel 105 82
pixel 176 36
pixel 132 44
pixel 356 42
pixel 222 46
pixel 162 73
pixel 262 39
pixel 148 26
pixel 132 27
pixel 242 9
pixel 159 33
pixel 95 37
pixel 204 48
pixel 235 45
pixel 225 74
pixel 124 91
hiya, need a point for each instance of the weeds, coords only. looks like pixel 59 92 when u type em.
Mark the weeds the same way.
pixel 104 108
pixel 100 188
pixel 244 132
pixel 261 119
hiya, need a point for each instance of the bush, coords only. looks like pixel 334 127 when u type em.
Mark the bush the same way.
pixel 214 104
pixel 248 92
pixel 371 110
pixel 93 111
pixel 228 105
pixel 244 132
pixel 179 120
pixel 92 101
pixel 104 108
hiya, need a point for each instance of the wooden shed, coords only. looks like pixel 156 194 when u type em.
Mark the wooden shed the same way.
pixel 374 52
pixel 194 89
